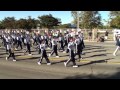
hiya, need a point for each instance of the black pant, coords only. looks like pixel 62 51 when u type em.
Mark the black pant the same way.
pixel 11 54
pixel 46 42
pixel 61 45
pixel 23 41
pixel 44 55
pixel 66 44
pixel 54 50
pixel 19 44
pixel 79 50
pixel 39 41
pixel 35 42
pixel 15 41
pixel 50 44
pixel 28 48
pixel 83 44
pixel 72 57
pixel 5 45
pixel 4 42
pixel 39 51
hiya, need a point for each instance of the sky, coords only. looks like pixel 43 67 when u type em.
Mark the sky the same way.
pixel 65 16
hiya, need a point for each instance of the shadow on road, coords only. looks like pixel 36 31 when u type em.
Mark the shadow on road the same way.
pixel 96 51
pixel 56 62
pixel 98 61
pixel 32 58
pixel 98 76
pixel 97 55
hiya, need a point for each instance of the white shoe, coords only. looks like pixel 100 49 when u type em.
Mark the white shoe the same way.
pixel 49 55
pixel 64 52
pixel 48 63
pixel 6 58
pixel 30 54
pixel 65 64
pixel 48 48
pixel 75 66
pixel 14 60
pixel 81 58
pixel 57 56
pixel 114 54
pixel 39 63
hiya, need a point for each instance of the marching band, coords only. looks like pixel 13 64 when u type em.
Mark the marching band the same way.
pixel 68 41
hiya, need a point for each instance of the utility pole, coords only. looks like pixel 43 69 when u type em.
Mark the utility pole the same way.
pixel 78 20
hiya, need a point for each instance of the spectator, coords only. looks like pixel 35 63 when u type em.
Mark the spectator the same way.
pixel 90 36
pixel 106 35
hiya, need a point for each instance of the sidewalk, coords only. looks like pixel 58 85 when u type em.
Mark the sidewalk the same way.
pixel 105 41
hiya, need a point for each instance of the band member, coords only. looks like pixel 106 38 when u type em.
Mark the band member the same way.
pixel 10 48
pixel 28 43
pixel 15 40
pixel 82 45
pixel 54 47
pixel 46 39
pixel 61 41
pixel 71 47
pixel 50 38
pixel 65 40
pixel 35 39
pixel 19 41
pixel 7 40
pixel 43 53
pixel 118 45
pixel 23 37
pixel 78 45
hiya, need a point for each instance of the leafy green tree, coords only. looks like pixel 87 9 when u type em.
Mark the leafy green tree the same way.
pixel 115 19
pixel 88 19
pixel 9 23
pixel 114 13
pixel 48 21
pixel 1 25
pixel 31 23
pixel 115 22
pixel 64 26
pixel 27 23
pixel 22 24
pixel 74 14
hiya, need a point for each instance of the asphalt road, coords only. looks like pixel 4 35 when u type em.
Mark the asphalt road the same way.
pixel 29 70
pixel 93 66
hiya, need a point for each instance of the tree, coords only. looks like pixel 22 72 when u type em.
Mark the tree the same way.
pixel 31 23
pixel 48 21
pixel 1 25
pixel 115 19
pixel 76 15
pixel 9 23
pixel 22 24
pixel 27 23
pixel 114 13
pixel 115 22
pixel 88 19
pixel 63 26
